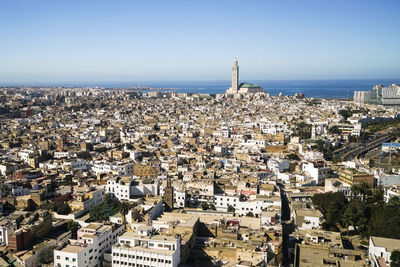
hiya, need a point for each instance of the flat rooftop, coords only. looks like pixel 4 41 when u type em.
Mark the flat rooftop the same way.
pixel 72 249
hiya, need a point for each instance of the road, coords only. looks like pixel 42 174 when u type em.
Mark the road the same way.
pixel 286 228
pixel 353 150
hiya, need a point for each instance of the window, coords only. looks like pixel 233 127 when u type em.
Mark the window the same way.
pixel 67 258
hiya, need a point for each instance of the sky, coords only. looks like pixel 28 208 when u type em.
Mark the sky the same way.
pixel 96 40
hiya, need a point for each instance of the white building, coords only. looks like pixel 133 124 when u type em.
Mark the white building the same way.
pixel 350 129
pixel 180 198
pixel 222 202
pixel 307 219
pixel 380 249
pixel 125 188
pixel 257 206
pixel 269 127
pixel 278 165
pixel 392 191
pixel 88 250
pixel 146 250
pixel 25 155
pixel 75 164
pixel 253 143
pixel 6 229
pixel 64 154
pixel 317 170
pixel 120 168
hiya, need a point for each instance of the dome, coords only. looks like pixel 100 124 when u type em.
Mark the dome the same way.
pixel 248 85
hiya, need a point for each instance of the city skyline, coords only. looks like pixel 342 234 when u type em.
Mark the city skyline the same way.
pixel 155 41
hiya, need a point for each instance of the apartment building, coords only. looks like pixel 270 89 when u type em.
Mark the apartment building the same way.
pixel 89 248
pixel 145 250
pixel 317 170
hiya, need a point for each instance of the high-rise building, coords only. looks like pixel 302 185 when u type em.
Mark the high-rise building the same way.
pixel 235 76
pixel 382 95
pixel 242 88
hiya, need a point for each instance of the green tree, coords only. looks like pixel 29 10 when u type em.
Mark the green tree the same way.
pixel 394 202
pixel 345 113
pixel 293 156
pixel 371 163
pixel 334 130
pixel 303 130
pixel 205 206
pixel 47 256
pixel 353 139
pixel 395 258
pixel 249 214
pixel 62 208
pixel 73 227
pixel 347 220
pixel 124 207
pixel 212 207
pixel 231 208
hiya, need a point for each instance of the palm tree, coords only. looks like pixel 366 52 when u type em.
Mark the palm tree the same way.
pixel 347 220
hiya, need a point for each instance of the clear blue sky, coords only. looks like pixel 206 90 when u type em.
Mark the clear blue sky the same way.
pixel 97 40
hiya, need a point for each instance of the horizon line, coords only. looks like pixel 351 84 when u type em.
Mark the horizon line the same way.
pixel 25 83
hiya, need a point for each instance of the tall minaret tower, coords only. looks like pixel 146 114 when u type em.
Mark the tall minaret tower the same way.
pixel 235 76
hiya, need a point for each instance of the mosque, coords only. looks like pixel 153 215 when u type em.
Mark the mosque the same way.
pixel 243 88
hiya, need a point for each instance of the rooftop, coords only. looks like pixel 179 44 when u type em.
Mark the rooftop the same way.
pixel 73 249
pixel 389 243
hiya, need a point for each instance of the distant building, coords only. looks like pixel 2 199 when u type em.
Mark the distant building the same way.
pixel 386 147
pixel 389 95
pixel 352 176
pixel 243 88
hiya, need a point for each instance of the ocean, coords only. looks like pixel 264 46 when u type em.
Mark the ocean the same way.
pixel 311 88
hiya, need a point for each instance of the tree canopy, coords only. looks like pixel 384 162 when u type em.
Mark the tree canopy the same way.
pixel 366 212
pixel 108 208
pixel 59 207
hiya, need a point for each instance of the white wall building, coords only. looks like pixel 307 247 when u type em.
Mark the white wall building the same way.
pixel 317 170
pixel 125 188
pixel 146 250
pixel 381 248
pixel 278 165
pixel 88 250
pixel 120 168
pixel 222 202
pixel 307 219
pixel 257 206
pixel 25 155
pixel 6 229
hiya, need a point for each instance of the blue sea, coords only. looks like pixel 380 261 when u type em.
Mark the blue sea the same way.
pixel 311 88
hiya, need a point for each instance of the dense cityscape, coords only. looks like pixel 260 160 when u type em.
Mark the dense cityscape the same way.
pixel 120 177
pixel 206 133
